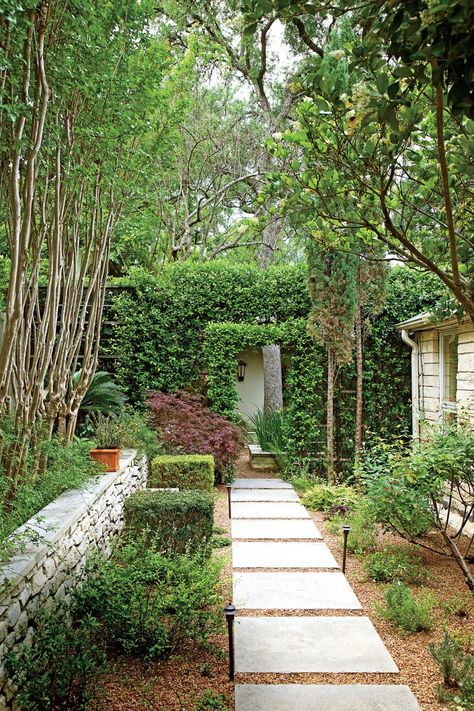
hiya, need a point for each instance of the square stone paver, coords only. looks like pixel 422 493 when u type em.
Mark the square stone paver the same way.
pixel 268 509
pixel 286 645
pixel 275 528
pixel 293 591
pixel 264 495
pixel 324 697
pixel 260 484
pixel 281 554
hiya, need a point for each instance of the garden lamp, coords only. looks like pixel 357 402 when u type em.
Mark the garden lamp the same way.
pixel 241 371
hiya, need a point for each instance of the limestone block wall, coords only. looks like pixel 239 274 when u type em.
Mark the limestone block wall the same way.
pixel 72 526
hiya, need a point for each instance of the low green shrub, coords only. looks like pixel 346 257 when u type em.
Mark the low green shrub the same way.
pixel 407 611
pixel 147 604
pixel 211 700
pixel 56 670
pixel 221 542
pixel 456 667
pixel 363 535
pixel 185 471
pixel 52 468
pixel 392 563
pixel 460 605
pixel 323 497
pixel 179 522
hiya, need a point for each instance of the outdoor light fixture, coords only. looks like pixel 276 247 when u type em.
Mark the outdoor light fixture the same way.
pixel 241 371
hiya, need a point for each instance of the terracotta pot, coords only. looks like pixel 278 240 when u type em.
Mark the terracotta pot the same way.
pixel 109 457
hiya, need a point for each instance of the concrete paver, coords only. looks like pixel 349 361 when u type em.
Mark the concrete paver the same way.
pixel 324 697
pixel 275 529
pixel 288 645
pixel 264 495
pixel 268 509
pixel 293 591
pixel 282 554
pixel 260 484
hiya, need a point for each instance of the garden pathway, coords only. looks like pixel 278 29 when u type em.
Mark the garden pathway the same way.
pixel 281 564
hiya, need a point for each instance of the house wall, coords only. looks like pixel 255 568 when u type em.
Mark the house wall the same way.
pixel 251 389
pixel 428 342
pixel 429 375
pixel 71 527
pixel 465 379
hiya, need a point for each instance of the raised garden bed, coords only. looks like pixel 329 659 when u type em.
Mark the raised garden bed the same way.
pixel 260 460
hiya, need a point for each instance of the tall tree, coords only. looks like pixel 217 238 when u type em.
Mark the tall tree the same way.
pixel 333 291
pixel 73 112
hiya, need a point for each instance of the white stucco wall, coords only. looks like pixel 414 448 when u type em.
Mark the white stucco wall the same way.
pixel 251 389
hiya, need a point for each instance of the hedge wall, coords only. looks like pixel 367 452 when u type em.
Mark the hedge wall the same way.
pixel 164 339
pixel 158 340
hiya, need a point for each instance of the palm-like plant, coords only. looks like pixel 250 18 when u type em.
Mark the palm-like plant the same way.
pixel 103 395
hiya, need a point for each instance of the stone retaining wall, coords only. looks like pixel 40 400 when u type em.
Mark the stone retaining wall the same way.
pixel 72 525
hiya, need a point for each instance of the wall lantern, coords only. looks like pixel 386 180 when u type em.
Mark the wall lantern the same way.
pixel 241 371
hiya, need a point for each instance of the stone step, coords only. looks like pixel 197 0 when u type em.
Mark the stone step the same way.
pixel 287 645
pixel 324 697
pixel 260 484
pixel 281 554
pixel 264 495
pixel 275 528
pixel 293 591
pixel 272 509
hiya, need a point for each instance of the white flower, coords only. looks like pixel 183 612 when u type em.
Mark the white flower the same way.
pixel 337 54
pixel 277 136
pixel 307 98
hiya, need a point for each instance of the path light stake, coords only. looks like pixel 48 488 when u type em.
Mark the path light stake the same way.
pixel 230 616
pixel 345 530
pixel 229 491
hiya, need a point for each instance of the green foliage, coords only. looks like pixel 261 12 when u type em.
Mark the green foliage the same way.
pixel 456 667
pixel 109 432
pixel 324 497
pixel 407 611
pixel 221 542
pixel 394 563
pixel 52 468
pixel 178 522
pixel 268 427
pixel 56 670
pixel 333 290
pixel 168 315
pixel 139 434
pixel 211 700
pixel 406 485
pixel 147 604
pixel 460 605
pixel 362 536
pixel 103 394
pixel 185 471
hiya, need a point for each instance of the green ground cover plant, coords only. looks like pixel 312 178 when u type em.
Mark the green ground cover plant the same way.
pixel 146 604
pixel 185 471
pixel 456 666
pixel 409 612
pixel 323 497
pixel 363 534
pixel 178 522
pixel 211 700
pixel 52 469
pixel 395 563
pixel 59 668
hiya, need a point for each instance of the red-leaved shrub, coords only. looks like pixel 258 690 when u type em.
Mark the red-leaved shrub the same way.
pixel 186 426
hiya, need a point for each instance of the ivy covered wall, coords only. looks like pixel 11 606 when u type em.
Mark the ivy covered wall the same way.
pixel 195 318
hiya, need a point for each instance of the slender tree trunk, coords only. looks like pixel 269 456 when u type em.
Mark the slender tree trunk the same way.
pixel 330 417
pixel 273 391
pixel 359 386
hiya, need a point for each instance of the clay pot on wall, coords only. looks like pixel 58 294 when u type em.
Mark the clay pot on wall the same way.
pixel 109 457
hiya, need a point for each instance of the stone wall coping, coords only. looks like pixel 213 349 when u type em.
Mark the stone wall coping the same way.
pixel 55 519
